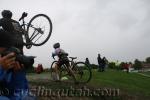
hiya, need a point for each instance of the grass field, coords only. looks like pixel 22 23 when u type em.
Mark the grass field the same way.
pixel 132 86
pixel 147 73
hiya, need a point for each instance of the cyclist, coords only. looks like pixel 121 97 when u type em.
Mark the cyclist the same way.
pixel 62 59
pixel 13 27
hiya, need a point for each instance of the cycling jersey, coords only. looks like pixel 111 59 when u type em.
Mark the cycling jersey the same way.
pixel 62 55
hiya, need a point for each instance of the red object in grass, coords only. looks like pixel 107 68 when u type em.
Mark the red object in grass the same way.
pixel 39 69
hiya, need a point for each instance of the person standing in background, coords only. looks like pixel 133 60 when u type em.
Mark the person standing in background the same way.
pixel 87 61
pixel 99 59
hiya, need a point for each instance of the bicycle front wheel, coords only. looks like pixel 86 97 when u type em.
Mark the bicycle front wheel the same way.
pixel 39 29
pixel 82 72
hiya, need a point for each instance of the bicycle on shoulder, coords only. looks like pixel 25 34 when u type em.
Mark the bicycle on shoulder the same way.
pixel 37 31
pixel 81 71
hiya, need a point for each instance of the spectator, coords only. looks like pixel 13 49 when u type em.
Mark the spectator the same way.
pixel 62 59
pixel 12 73
pixel 127 67
pixel 87 61
pixel 13 28
pixel 99 59
pixel 103 61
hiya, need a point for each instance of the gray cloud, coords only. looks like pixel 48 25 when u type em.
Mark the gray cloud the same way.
pixel 118 29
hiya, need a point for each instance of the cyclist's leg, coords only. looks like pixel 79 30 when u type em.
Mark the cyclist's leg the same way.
pixel 70 70
pixel 56 71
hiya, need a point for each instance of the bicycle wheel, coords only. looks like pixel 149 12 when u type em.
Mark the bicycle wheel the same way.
pixel 53 73
pixel 82 72
pixel 62 71
pixel 39 29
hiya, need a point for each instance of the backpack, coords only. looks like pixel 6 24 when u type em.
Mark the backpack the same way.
pixel 17 34
pixel 16 26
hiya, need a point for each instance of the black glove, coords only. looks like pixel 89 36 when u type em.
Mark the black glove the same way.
pixel 53 55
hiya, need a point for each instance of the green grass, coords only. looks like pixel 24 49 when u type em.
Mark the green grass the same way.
pixel 146 73
pixel 132 85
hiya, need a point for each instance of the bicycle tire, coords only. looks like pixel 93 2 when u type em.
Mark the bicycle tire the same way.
pixel 84 69
pixel 51 69
pixel 49 32
pixel 52 64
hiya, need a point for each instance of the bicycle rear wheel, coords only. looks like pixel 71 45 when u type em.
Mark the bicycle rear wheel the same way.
pixel 39 29
pixel 82 72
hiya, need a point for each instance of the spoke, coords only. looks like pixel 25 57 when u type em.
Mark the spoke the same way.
pixel 34 36
pixel 38 38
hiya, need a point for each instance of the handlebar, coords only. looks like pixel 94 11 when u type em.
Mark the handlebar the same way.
pixel 53 56
pixel 24 14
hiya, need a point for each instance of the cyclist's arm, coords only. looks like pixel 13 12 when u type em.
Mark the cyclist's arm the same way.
pixel 0 22
pixel 53 55
pixel 17 26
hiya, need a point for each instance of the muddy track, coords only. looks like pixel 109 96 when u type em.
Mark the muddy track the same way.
pixel 54 86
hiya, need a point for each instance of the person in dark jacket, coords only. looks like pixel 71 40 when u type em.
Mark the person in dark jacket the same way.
pixel 103 64
pixel 12 73
pixel 99 59
pixel 13 28
pixel 87 61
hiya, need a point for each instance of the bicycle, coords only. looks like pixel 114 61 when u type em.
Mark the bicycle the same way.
pixel 34 30
pixel 81 71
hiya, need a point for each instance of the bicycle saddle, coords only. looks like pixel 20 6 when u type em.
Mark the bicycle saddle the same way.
pixel 73 58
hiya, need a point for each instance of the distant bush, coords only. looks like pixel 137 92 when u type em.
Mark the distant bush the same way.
pixel 147 60
pixel 112 65
pixel 93 66
pixel 121 66
pixel 137 64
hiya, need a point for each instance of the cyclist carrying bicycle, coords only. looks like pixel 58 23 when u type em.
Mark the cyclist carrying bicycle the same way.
pixel 62 59
pixel 13 27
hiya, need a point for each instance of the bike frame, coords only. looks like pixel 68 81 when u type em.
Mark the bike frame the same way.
pixel 72 61
pixel 25 33
pixel 72 69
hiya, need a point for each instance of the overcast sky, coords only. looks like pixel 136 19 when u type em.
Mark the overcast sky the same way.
pixel 117 29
